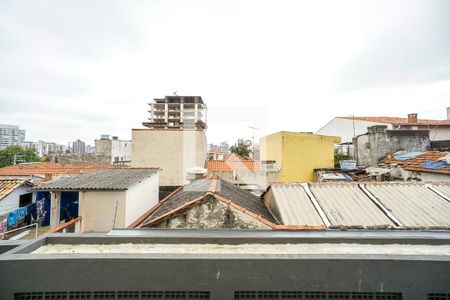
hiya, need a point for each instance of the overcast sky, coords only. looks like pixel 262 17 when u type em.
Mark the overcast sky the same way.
pixel 77 69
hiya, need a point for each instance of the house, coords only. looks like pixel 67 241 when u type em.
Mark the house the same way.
pixel 241 171
pixel 174 139
pixel 378 142
pixel 374 206
pixel 349 127
pixel 104 199
pixel 14 193
pixel 208 203
pixel 298 153
pixel 429 166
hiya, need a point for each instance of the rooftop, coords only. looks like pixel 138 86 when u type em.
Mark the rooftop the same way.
pixel 419 163
pixel 399 121
pixel 197 191
pixel 234 163
pixel 7 186
pixel 358 205
pixel 106 179
pixel 42 168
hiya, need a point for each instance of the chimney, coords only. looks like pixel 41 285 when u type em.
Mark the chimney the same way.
pixel 448 113
pixel 412 118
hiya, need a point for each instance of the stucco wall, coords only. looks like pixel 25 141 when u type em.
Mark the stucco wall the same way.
pixel 298 154
pixel 212 214
pixel 172 150
pixel 12 201
pixel 98 210
pixel 141 197
pixel 344 128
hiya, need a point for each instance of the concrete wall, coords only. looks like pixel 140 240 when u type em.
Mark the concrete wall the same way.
pixel 12 201
pixel 298 154
pixel 344 128
pixel 98 210
pixel 80 158
pixel 172 150
pixel 260 178
pixel 379 142
pixel 141 197
pixel 212 214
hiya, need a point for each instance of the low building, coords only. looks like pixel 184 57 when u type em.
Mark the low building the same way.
pixel 429 166
pixel 118 151
pixel 208 204
pixel 104 199
pixel 248 172
pixel 349 127
pixel 378 142
pixel 298 153
pixel 14 193
pixel 374 206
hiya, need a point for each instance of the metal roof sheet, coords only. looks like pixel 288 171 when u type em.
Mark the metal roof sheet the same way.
pixel 443 188
pixel 294 205
pixel 348 205
pixel 415 205
pixel 105 179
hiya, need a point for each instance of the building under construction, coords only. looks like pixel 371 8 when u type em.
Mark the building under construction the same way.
pixel 177 112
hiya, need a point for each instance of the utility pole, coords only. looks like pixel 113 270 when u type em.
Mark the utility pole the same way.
pixel 253 140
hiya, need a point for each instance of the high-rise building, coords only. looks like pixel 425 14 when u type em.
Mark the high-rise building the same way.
pixel 79 146
pixel 11 135
pixel 175 139
pixel 177 112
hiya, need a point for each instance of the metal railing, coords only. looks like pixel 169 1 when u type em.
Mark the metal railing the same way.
pixel 20 228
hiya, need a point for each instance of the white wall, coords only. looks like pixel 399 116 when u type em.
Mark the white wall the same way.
pixel 434 177
pixel 140 198
pixel 440 133
pixel 121 149
pixel 344 128
pixel 11 201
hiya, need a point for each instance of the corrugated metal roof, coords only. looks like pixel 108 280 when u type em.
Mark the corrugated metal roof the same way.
pixel 7 186
pixel 413 204
pixel 347 205
pixel 294 205
pixel 106 179
pixel 443 188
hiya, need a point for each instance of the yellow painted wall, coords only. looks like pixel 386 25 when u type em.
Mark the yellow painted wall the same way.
pixel 299 153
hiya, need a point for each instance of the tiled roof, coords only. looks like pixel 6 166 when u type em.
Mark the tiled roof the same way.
pixel 7 186
pixel 43 168
pixel 197 191
pixel 233 163
pixel 362 205
pixel 415 164
pixel 395 120
pixel 106 179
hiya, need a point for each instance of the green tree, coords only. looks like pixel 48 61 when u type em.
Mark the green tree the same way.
pixel 17 154
pixel 242 148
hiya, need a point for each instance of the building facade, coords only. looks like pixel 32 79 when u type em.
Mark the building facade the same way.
pixel 298 153
pixel 11 135
pixel 119 151
pixel 78 146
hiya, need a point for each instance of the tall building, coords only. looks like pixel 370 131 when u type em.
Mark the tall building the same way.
pixel 177 112
pixel 174 139
pixel 43 148
pixel 11 135
pixel 79 146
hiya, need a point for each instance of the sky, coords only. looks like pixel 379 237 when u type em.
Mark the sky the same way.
pixel 78 69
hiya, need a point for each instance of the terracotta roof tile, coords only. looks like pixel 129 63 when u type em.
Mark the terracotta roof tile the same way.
pixel 43 168
pixel 233 163
pixel 7 186
pixel 402 121
pixel 415 164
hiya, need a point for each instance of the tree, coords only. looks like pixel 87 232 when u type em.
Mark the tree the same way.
pixel 242 148
pixel 17 154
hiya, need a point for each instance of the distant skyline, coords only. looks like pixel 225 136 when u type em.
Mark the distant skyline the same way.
pixel 79 69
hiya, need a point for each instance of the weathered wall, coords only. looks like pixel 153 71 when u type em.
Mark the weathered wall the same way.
pixel 379 142
pixel 141 197
pixel 98 210
pixel 80 158
pixel 174 151
pixel 12 201
pixel 261 178
pixel 116 150
pixel 212 214
pixel 298 154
